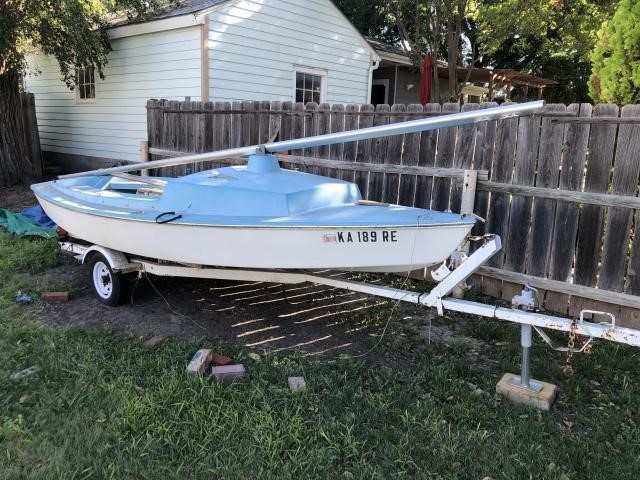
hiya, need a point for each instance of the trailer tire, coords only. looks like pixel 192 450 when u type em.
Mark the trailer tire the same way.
pixel 110 287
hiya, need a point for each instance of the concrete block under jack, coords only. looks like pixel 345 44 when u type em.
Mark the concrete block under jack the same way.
pixel 541 400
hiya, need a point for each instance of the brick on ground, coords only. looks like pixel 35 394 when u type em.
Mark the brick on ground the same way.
pixel 227 373
pixel 200 361
pixel 297 384
pixel 221 360
pixel 154 342
pixel 55 296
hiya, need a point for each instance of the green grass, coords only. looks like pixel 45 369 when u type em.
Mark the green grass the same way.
pixel 101 406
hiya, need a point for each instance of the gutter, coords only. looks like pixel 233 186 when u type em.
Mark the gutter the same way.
pixel 153 26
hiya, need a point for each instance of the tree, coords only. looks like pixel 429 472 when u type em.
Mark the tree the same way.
pixel 548 38
pixel 72 31
pixel 615 75
pixel 419 27
pixel 437 27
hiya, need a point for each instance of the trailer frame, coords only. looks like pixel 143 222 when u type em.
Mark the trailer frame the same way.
pixel 438 298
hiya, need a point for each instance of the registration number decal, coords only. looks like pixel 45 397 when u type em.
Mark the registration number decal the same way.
pixel 384 236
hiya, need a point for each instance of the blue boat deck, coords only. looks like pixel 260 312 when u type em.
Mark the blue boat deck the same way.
pixel 259 194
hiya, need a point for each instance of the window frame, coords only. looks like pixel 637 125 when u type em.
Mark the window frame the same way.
pixel 322 73
pixel 86 101
pixel 385 83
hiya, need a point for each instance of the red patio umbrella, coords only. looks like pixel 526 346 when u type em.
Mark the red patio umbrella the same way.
pixel 426 80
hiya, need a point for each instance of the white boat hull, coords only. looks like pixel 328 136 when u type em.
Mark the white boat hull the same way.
pixel 373 249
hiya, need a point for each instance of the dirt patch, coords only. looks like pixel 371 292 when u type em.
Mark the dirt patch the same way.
pixel 314 320
pixel 16 198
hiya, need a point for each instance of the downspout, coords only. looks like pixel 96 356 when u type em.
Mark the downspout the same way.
pixel 204 59
pixel 373 65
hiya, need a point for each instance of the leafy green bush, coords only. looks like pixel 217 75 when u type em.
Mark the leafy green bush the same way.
pixel 615 60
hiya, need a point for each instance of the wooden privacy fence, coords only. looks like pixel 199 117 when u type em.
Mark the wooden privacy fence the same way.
pixel 560 188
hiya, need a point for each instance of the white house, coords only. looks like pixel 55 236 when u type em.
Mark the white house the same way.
pixel 209 50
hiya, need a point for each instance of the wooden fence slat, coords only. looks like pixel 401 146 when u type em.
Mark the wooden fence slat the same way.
pixel 633 271
pixel 542 217
pixel 275 120
pixel 297 125
pixel 225 126
pixel 336 151
pixel 235 130
pixel 463 155
pixel 394 155
pixel 185 137
pixel 363 150
pixel 378 153
pixel 156 136
pixel 566 221
pixel 352 112
pixel 516 238
pixel 427 158
pixel 410 157
pixel 311 110
pixel 254 138
pixel 217 121
pixel 206 134
pixel 263 122
pixel 154 125
pixel 286 126
pixel 171 132
pixel 197 125
pixel 444 158
pixel 626 168
pixel 322 122
pixel 482 160
pixel 247 124
pixel 602 141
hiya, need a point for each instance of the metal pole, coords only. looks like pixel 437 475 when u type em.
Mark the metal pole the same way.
pixel 525 341
pixel 524 381
pixel 413 126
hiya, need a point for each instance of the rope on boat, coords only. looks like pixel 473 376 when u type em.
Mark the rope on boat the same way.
pixel 175 217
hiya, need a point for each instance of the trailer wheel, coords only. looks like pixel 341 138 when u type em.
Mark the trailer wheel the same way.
pixel 110 287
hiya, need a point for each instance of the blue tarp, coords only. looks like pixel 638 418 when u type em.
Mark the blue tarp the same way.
pixel 22 225
pixel 36 215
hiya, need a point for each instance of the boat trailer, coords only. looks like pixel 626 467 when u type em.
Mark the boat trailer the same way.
pixel 519 388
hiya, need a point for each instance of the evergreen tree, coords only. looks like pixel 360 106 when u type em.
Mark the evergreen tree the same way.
pixel 615 59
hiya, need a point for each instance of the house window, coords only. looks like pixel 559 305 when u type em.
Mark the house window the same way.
pixel 310 85
pixel 85 84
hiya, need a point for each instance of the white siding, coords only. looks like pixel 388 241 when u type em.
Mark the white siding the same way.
pixel 157 65
pixel 255 44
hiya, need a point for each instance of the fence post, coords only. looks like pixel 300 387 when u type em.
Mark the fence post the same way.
pixel 468 196
pixel 144 156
